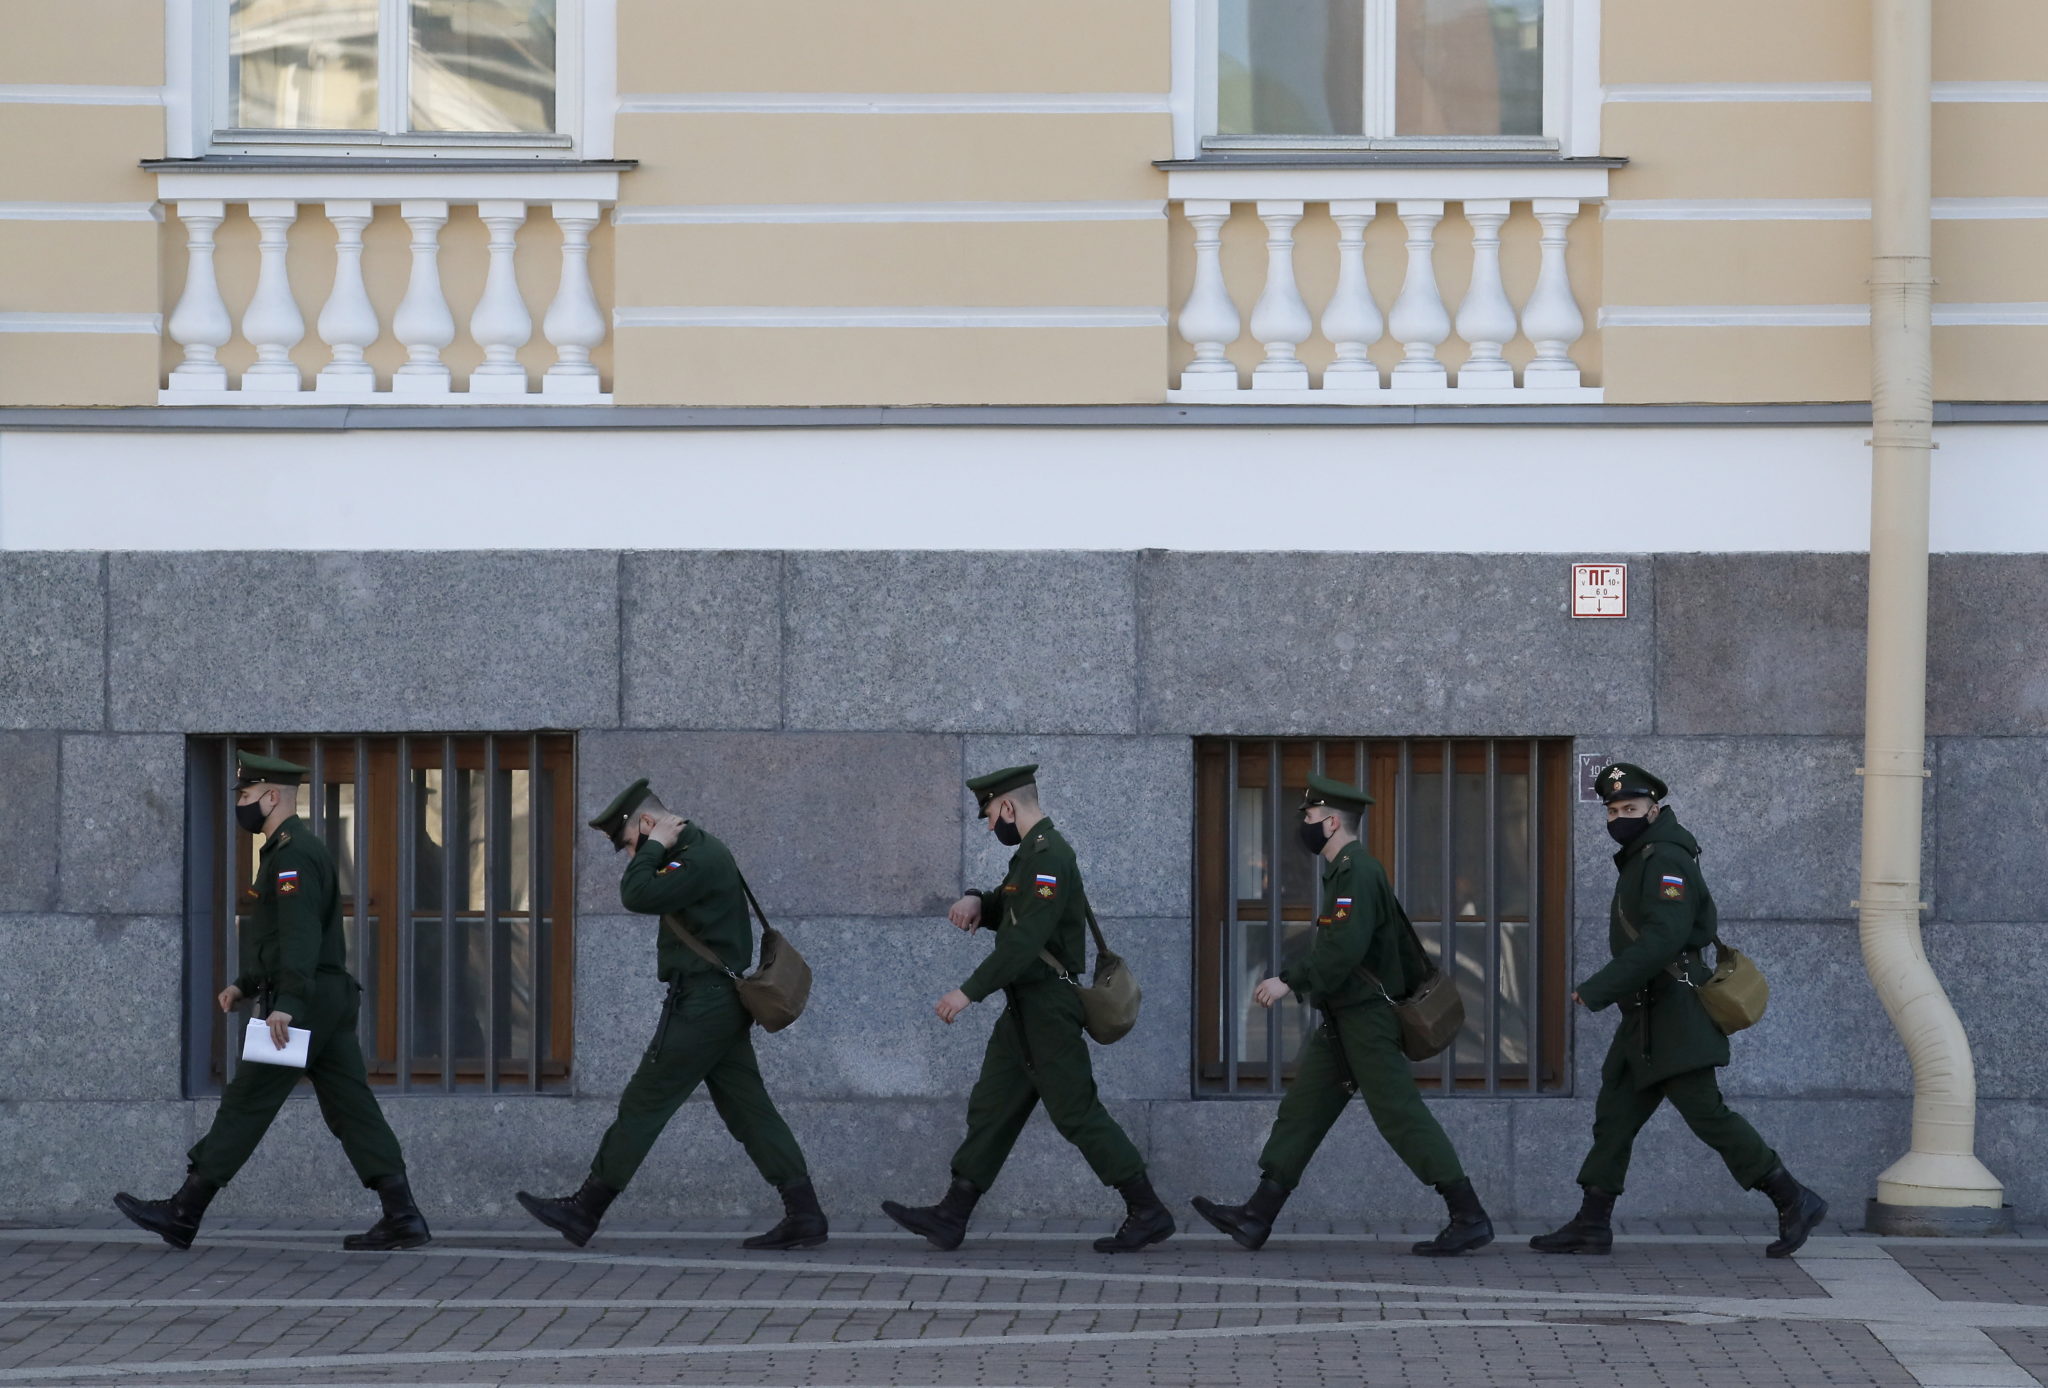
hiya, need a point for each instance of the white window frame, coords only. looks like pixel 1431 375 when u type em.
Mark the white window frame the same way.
pixel 1571 88
pixel 199 115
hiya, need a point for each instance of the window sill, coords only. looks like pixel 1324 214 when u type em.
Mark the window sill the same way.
pixel 382 178
pixel 1276 158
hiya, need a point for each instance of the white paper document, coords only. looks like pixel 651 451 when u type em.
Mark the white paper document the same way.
pixel 257 1045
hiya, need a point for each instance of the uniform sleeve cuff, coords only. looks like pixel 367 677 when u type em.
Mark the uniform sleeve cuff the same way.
pixel 293 1007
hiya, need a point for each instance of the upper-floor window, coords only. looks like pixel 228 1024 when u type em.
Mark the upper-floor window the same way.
pixel 1484 74
pixel 452 73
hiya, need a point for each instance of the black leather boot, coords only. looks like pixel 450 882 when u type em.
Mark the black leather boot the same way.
pixel 1251 1223
pixel 1591 1230
pixel 403 1226
pixel 1469 1227
pixel 574 1217
pixel 944 1225
pixel 803 1222
pixel 176 1220
pixel 1799 1210
pixel 1146 1220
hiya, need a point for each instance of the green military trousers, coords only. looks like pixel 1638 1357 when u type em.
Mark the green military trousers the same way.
pixel 1037 1053
pixel 705 1037
pixel 1622 1109
pixel 334 1063
pixel 1371 1040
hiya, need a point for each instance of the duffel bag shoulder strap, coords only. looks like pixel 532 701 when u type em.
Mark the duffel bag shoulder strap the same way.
pixel 1416 948
pixel 696 946
pixel 1102 948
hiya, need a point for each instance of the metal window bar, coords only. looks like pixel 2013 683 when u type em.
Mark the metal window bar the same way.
pixel 451 859
pixel 1532 986
pixel 535 991
pixel 230 899
pixel 408 827
pixel 491 857
pixel 1274 896
pixel 1447 935
pixel 1492 1010
pixel 359 826
pixel 1233 931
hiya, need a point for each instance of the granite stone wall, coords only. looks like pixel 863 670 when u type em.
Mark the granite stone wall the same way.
pixel 819 710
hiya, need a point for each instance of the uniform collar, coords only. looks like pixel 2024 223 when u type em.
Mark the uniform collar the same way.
pixel 1665 828
pixel 1330 865
pixel 284 832
pixel 1043 826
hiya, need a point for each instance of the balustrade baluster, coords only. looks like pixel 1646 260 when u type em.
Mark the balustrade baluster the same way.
pixel 1486 319
pixel 348 321
pixel 1351 320
pixel 1551 319
pixel 1280 320
pixel 501 324
pixel 574 323
pixel 273 323
pixel 423 321
pixel 1419 321
pixel 200 323
pixel 1208 320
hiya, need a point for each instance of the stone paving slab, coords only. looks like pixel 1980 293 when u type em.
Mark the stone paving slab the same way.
pixel 1014 1306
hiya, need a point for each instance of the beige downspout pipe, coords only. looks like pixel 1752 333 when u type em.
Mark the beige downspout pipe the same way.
pixel 1941 1169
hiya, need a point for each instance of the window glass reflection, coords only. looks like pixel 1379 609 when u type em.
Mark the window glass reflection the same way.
pixel 483 66
pixel 303 64
pixel 1468 67
pixel 1290 67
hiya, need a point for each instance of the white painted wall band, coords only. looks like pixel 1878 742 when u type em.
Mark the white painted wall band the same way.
pixel 1811 209
pixel 889 316
pixel 60 94
pixel 1661 93
pixel 80 212
pixel 896 103
pixel 150 323
pixel 765 214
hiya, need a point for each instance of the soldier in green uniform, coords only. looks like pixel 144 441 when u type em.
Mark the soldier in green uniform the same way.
pixel 704 1035
pixel 1037 1051
pixel 294 965
pixel 1360 927
pixel 1667 1047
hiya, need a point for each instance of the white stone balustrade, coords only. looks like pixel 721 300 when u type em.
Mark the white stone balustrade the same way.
pixel 1411 320
pixel 421 327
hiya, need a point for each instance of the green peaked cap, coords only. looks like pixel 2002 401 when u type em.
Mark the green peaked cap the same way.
pixel 1624 780
pixel 251 769
pixel 987 788
pixel 1338 795
pixel 611 820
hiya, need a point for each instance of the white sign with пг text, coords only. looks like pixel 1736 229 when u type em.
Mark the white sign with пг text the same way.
pixel 1599 590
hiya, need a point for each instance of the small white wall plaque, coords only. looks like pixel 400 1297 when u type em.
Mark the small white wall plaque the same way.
pixel 1599 590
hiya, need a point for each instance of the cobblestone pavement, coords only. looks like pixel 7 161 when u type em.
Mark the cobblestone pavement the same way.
pixel 1023 1304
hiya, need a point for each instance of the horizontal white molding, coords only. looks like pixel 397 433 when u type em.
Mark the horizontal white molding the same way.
pixel 1691 488
pixel 896 103
pixel 1812 209
pixel 149 323
pixel 58 94
pixel 1736 210
pixel 765 214
pixel 1958 92
pixel 887 316
pixel 2026 315
pixel 80 212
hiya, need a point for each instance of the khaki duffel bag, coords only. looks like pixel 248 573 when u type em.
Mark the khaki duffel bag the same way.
pixel 1109 1005
pixel 774 994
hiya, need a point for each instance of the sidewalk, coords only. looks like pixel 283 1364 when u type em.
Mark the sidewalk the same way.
pixel 1021 1303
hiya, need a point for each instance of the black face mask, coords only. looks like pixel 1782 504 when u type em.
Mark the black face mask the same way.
pixel 1006 833
pixel 251 816
pixel 1627 830
pixel 1314 837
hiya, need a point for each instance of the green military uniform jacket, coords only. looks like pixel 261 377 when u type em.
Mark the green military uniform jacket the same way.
pixel 699 882
pixel 296 928
pixel 1360 922
pixel 1039 906
pixel 1662 894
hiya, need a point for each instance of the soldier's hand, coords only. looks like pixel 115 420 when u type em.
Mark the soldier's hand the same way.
pixel 966 913
pixel 952 1005
pixel 1270 992
pixel 664 829
pixel 1577 999
pixel 279 1022
pixel 229 996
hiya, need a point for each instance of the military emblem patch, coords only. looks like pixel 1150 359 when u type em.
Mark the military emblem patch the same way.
pixel 1343 911
pixel 287 882
pixel 1009 888
pixel 666 870
pixel 1673 887
pixel 1047 886
pixel 1323 920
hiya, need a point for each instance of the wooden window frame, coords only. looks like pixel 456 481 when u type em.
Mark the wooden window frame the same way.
pixel 1390 833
